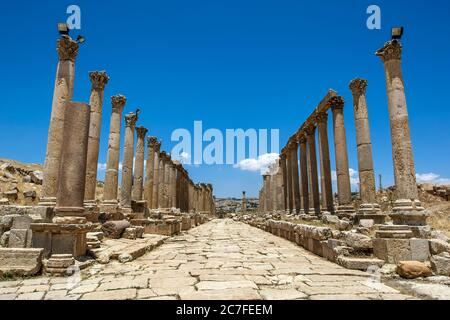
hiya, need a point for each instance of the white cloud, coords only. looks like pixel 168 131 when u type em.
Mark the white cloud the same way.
pixel 431 178
pixel 102 166
pixel 261 164
pixel 354 177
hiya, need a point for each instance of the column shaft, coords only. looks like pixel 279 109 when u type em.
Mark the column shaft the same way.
pixel 325 166
pixel 311 140
pixel 138 176
pixel 127 164
pixel 304 174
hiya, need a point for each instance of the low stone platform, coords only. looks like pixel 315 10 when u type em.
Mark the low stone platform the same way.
pixel 20 262
pixel 126 250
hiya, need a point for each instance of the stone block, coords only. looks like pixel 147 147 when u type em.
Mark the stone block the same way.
pixel 438 246
pixel 358 241
pixel 18 238
pixel 441 264
pixel 129 233
pixel 20 262
pixel 21 222
pixel 392 250
pixel 413 269
pixel 420 249
pixel 356 263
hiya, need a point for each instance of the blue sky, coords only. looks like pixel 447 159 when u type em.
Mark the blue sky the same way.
pixel 231 64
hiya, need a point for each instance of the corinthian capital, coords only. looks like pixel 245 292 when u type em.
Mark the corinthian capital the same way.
pixel 98 79
pixel 131 119
pixel 152 141
pixel 392 50
pixel 322 117
pixel 141 132
pixel 310 130
pixel 358 86
pixel 67 48
pixel 336 102
pixel 118 102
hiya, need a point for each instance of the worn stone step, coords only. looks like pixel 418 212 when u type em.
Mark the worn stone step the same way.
pixel 357 263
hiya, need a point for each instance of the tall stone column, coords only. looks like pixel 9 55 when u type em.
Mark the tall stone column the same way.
pixel 98 80
pixel 112 163
pixel 157 173
pixel 325 166
pixel 127 164
pixel 244 202
pixel 70 215
pixel 407 208
pixel 304 174
pixel 284 182
pixel 161 187
pixel 62 94
pixel 280 191
pixel 138 182
pixel 173 186
pixel 311 140
pixel 290 183
pixel 273 184
pixel 345 207
pixel 364 147
pixel 150 171
pixel 267 195
pixel 166 188
pixel 295 177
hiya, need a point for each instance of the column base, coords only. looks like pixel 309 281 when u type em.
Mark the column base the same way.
pixel 47 202
pixel 59 265
pixel 345 211
pixel 409 212
pixel 370 211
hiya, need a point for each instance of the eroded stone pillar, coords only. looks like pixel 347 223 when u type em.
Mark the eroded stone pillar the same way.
pixel 138 182
pixel 156 176
pixel 62 94
pixel 284 181
pixel 345 207
pixel 290 184
pixel 98 80
pixel 407 208
pixel 311 140
pixel 127 164
pixel 112 163
pixel 304 174
pixel 295 177
pixel 267 193
pixel 173 186
pixel 161 186
pixel 364 147
pixel 325 166
pixel 150 171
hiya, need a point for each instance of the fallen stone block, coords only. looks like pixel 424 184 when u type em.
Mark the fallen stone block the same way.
pixel 114 229
pixel 19 238
pixel 438 246
pixel 413 269
pixel 356 263
pixel 20 262
pixel 129 233
pixel 441 264
pixel 358 241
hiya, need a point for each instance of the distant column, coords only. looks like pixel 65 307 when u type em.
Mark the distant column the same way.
pixel 150 171
pixel 98 82
pixel 112 162
pixel 284 183
pixel 173 186
pixel 295 177
pixel 311 140
pixel 244 202
pixel 325 166
pixel 138 176
pixel 290 183
pixel 127 164
pixel 407 208
pixel 156 177
pixel 304 174
pixel 67 52
pixel 267 194
pixel 345 207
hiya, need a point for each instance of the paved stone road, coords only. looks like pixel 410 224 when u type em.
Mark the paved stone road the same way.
pixel 222 259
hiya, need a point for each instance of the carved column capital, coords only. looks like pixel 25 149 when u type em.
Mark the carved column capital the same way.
pixel 131 119
pixel 336 103
pixel 99 79
pixel 322 117
pixel 141 132
pixel 358 86
pixel 152 141
pixel 392 50
pixel 310 130
pixel 67 48
pixel 302 139
pixel 118 102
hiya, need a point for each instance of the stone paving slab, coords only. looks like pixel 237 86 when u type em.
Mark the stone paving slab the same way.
pixel 220 260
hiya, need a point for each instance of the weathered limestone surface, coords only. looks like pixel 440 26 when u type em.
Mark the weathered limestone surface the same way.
pixel 150 171
pixel 325 166
pixel 157 173
pixel 67 51
pixel 98 80
pixel 127 164
pixel 295 176
pixel 112 164
pixel 304 174
pixel 222 259
pixel 311 140
pixel 138 183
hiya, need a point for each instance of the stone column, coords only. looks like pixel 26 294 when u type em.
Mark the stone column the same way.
pixel 311 140
pixel 150 171
pixel 267 195
pixel 161 187
pixel 290 184
pixel 244 202
pixel 284 182
pixel 138 182
pixel 273 184
pixel 98 81
pixel 407 208
pixel 345 207
pixel 304 174
pixel 173 186
pixel 280 191
pixel 325 166
pixel 295 177
pixel 67 52
pixel 364 147
pixel 167 179
pixel 156 176
pixel 112 163
pixel 127 164
pixel 70 215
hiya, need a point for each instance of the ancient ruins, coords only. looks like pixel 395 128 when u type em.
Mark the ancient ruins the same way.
pixel 156 233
